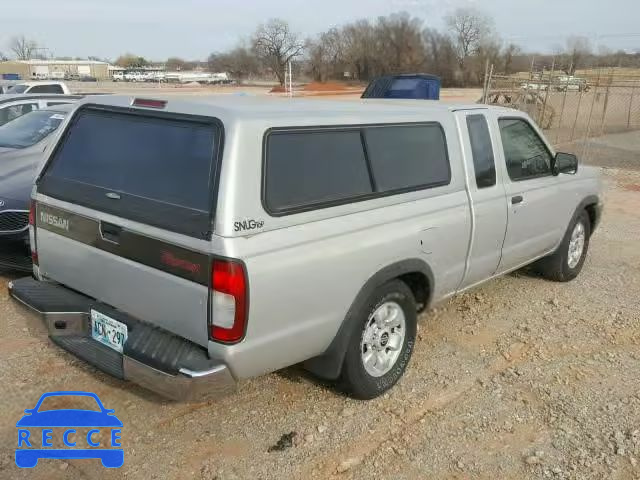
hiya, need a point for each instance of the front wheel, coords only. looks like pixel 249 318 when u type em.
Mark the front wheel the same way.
pixel 566 263
pixel 379 350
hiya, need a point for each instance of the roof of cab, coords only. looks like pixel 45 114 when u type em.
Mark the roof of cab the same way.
pixel 279 109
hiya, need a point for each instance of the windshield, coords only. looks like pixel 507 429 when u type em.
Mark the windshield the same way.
pixel 17 89
pixel 29 129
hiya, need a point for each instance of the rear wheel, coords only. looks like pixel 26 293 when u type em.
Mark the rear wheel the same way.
pixel 566 263
pixel 379 350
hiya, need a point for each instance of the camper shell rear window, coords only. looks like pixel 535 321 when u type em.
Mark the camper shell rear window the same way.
pixel 151 167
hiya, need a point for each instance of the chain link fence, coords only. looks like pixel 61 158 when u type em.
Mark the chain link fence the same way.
pixel 577 112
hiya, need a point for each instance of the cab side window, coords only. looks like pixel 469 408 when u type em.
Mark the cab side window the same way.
pixel 525 153
pixel 482 151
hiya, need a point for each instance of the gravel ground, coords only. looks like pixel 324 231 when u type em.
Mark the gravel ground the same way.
pixel 521 378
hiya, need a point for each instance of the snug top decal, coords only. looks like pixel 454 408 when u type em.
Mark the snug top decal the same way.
pixel 246 225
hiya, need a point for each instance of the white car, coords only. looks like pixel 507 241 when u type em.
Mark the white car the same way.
pixel 134 77
pixel 14 106
pixel 571 83
pixel 533 85
pixel 40 87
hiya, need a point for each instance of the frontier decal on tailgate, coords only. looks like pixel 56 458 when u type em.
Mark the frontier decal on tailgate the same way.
pixel 149 251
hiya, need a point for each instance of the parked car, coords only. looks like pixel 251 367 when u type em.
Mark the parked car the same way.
pixel 22 145
pixel 565 83
pixel 118 76
pixel 40 87
pixel 535 85
pixel 134 77
pixel 14 106
pixel 156 77
pixel 5 85
pixel 312 231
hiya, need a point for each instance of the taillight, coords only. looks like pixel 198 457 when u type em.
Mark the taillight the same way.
pixel 229 301
pixel 32 213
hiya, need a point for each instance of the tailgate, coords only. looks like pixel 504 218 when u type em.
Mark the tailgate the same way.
pixel 124 211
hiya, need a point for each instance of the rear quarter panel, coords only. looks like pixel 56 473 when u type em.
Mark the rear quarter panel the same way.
pixel 306 269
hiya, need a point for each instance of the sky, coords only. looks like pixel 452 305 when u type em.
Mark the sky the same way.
pixel 192 29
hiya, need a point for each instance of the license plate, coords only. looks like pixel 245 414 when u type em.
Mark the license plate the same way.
pixel 108 331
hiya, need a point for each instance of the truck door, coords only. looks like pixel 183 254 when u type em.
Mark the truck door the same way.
pixel 485 189
pixel 534 228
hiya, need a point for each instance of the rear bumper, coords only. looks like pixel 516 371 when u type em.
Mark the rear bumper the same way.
pixel 154 359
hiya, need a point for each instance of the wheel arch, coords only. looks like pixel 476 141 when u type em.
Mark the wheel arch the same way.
pixel 414 272
pixel 591 204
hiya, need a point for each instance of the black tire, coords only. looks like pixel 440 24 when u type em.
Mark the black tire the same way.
pixel 556 266
pixel 354 378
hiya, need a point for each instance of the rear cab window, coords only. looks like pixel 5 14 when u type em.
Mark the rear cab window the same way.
pixel 46 89
pixel 327 166
pixel 155 168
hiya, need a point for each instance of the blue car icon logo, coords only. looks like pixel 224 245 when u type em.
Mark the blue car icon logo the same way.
pixel 84 433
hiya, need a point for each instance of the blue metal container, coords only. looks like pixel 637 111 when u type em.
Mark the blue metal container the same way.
pixel 414 85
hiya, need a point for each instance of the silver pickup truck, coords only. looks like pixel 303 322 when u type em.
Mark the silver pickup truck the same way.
pixel 187 244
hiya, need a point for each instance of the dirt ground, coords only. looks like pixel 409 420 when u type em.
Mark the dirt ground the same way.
pixel 521 378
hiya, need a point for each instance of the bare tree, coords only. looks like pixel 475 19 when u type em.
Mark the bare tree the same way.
pixel 359 40
pixel 239 62
pixel 399 44
pixel 512 50
pixel 275 44
pixel 488 53
pixel 175 63
pixel 326 55
pixel 469 27
pixel 578 48
pixel 440 55
pixel 22 47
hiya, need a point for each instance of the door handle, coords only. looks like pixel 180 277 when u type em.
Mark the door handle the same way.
pixel 110 232
pixel 516 199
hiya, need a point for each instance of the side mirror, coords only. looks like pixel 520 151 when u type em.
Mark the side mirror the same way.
pixel 565 163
